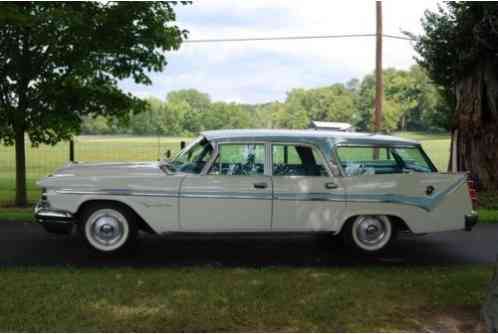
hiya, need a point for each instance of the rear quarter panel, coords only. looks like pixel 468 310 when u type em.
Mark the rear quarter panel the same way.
pixel 404 196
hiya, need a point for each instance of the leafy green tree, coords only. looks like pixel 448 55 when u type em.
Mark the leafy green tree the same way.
pixel 60 61
pixel 199 104
pixel 295 113
pixel 460 52
pixel 430 110
pixel 173 118
pixel 95 125
pixel 415 95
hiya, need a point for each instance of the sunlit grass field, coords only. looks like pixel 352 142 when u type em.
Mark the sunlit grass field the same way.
pixel 45 159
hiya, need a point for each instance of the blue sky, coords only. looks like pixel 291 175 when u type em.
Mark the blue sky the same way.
pixel 255 72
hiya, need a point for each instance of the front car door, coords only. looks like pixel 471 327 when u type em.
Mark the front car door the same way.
pixel 306 195
pixel 234 193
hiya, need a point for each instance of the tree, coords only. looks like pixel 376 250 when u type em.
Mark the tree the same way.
pixel 199 104
pixel 394 98
pixel 61 61
pixel 460 52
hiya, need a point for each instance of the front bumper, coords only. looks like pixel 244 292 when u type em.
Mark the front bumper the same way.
pixel 54 221
pixel 471 220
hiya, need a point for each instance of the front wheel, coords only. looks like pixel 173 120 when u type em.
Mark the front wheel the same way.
pixel 369 234
pixel 108 228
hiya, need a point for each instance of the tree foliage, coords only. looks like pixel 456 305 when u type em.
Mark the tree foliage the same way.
pixel 413 102
pixel 460 52
pixel 61 61
pixel 458 36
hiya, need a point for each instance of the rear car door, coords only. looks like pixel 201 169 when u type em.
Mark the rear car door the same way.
pixel 306 196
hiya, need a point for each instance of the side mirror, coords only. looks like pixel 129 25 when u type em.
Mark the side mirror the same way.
pixel 168 154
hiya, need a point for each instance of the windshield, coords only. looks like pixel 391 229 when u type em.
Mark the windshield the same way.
pixel 360 160
pixel 193 158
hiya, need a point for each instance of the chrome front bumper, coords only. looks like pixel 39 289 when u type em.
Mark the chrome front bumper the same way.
pixel 53 221
pixel 471 220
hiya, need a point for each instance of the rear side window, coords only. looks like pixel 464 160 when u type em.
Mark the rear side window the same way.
pixel 368 160
pixel 297 160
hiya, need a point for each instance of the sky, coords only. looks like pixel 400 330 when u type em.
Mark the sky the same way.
pixel 264 71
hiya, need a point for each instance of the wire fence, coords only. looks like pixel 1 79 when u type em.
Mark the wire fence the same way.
pixel 43 159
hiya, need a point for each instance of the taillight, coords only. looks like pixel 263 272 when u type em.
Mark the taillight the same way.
pixel 472 192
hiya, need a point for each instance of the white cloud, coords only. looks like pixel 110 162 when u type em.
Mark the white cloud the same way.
pixel 263 71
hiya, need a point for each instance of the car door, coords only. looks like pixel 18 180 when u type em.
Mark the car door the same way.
pixel 306 196
pixel 233 195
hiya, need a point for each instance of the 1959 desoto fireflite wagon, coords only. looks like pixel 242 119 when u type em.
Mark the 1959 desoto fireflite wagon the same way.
pixel 362 187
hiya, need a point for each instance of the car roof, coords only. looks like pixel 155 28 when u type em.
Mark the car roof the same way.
pixel 306 136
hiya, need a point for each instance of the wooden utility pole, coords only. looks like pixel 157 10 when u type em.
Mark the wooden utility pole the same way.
pixel 379 78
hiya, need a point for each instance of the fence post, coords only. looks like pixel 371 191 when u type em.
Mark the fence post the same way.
pixel 71 150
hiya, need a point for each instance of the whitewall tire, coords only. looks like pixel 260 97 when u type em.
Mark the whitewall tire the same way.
pixel 369 234
pixel 108 228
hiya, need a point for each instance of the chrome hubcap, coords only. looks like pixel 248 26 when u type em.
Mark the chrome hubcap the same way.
pixel 106 229
pixel 371 231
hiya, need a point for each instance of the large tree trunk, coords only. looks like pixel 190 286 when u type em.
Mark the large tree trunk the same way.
pixel 21 196
pixel 477 124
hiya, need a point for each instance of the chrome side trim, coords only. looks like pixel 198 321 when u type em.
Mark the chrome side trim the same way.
pixel 118 192
pixel 228 195
pixel 314 197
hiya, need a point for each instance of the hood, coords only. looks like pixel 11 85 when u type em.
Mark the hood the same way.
pixel 103 174
pixel 108 169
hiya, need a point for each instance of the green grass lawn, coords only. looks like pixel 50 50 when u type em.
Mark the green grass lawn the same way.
pixel 368 299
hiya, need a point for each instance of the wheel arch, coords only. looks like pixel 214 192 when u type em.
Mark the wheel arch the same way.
pixel 142 224
pixel 397 222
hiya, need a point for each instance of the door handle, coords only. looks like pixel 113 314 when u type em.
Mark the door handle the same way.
pixel 260 185
pixel 331 185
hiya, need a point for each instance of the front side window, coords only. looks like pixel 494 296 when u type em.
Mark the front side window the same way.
pixel 297 160
pixel 369 160
pixel 239 159
pixel 193 158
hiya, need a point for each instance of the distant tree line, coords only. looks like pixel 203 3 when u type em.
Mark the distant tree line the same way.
pixel 412 102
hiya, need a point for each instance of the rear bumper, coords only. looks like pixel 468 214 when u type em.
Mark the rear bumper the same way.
pixel 54 221
pixel 471 220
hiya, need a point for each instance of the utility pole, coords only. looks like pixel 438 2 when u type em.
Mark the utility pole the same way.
pixel 379 78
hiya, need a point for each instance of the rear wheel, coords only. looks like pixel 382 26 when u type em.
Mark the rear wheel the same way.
pixel 109 228
pixel 369 234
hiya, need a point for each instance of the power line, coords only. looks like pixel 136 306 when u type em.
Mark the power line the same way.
pixel 283 38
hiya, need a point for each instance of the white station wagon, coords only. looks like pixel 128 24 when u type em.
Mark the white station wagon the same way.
pixel 362 187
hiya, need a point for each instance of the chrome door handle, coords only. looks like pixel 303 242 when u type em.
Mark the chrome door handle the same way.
pixel 331 185
pixel 260 185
